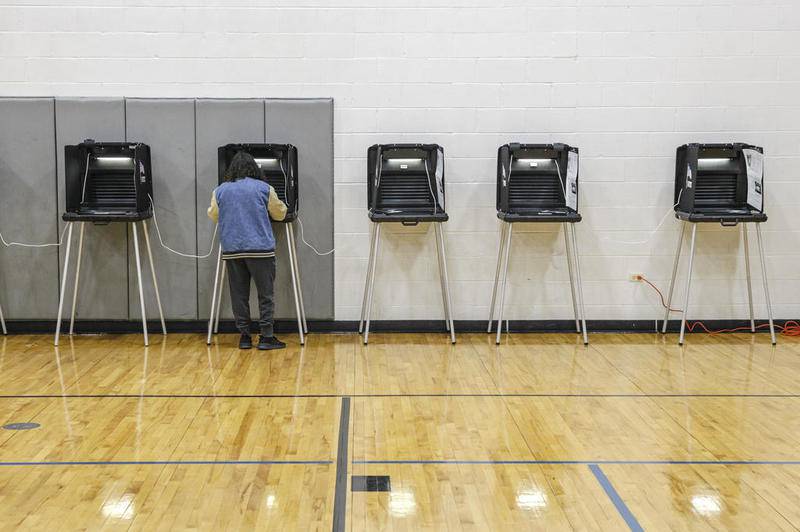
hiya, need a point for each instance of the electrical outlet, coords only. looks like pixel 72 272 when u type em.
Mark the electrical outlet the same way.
pixel 636 277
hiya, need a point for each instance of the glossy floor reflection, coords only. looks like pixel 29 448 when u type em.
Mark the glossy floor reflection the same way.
pixel 539 433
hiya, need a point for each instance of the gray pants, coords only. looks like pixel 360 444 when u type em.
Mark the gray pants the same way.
pixel 262 271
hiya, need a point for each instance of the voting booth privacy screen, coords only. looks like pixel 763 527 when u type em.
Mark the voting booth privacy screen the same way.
pixel 406 180
pixel 534 178
pixel 107 181
pixel 713 179
pixel 278 163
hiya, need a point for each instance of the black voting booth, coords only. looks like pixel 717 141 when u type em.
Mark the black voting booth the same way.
pixel 719 183
pixel 107 182
pixel 279 168
pixel 532 183
pixel 278 163
pixel 538 183
pixel 405 184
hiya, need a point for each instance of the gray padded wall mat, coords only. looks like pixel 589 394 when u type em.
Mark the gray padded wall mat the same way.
pixel 184 135
pixel 28 277
pixel 167 126
pixel 307 124
pixel 103 290
pixel 220 122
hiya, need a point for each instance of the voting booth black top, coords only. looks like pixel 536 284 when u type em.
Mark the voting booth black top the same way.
pixel 108 182
pixel 405 183
pixel 537 183
pixel 719 183
pixel 278 163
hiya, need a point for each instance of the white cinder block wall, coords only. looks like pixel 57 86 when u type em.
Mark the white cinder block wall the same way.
pixel 625 80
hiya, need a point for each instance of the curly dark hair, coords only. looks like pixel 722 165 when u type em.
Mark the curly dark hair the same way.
pixel 242 165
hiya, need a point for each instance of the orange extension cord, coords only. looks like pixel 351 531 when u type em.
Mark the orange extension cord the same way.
pixel 789 328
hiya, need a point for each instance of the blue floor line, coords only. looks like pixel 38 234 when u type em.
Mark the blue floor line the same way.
pixel 170 462
pixel 584 462
pixel 622 508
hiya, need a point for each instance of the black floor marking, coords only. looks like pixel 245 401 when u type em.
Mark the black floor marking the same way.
pixel 340 497
pixel 371 483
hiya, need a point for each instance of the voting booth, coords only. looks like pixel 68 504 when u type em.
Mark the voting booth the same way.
pixel 107 182
pixel 719 183
pixel 405 184
pixel 279 165
pixel 538 183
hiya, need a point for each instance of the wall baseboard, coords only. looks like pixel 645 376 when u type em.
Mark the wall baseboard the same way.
pixel 393 326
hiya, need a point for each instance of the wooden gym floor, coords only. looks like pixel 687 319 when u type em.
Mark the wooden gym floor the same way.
pixel 538 433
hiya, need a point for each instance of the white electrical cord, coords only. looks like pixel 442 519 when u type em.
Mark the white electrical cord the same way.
pixel 25 245
pixel 285 178
pixel 85 176
pixel 214 236
pixel 561 180
pixel 430 188
pixel 653 232
pixel 179 253
pixel 63 232
pixel 303 238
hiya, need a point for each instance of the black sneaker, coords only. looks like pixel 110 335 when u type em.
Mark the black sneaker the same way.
pixel 266 343
pixel 245 342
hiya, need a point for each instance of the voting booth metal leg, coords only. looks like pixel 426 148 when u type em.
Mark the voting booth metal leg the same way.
pixel 139 282
pixel 297 275
pixel 579 283
pixel 3 321
pixel 441 282
pixel 571 277
pixel 219 290
pixel 367 278
pixel 294 285
pixel 500 249
pixel 214 297
pixel 222 272
pixel 77 280
pixel 506 253
pixel 688 284
pixel 766 284
pixel 63 283
pixel 674 275
pixel 749 282
pixel 373 261
pixel 446 280
pixel 153 273
pixel 747 272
